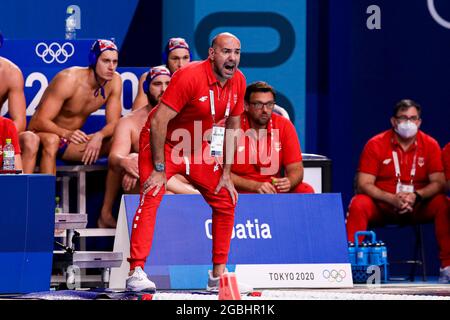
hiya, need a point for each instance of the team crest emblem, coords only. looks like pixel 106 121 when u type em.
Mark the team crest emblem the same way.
pixel 421 161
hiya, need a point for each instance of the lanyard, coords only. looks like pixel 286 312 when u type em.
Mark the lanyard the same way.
pixel 255 149
pixel 213 108
pixel 397 166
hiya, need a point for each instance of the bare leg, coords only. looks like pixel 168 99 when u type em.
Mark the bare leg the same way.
pixel 50 145
pixel 135 190
pixel 106 219
pixel 74 152
pixel 179 185
pixel 29 144
pixel 218 270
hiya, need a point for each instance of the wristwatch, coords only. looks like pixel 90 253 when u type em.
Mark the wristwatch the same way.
pixel 160 167
pixel 418 197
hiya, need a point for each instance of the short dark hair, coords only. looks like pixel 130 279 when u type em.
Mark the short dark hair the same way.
pixel 405 104
pixel 258 86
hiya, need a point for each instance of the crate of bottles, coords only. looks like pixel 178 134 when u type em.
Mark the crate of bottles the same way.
pixel 368 258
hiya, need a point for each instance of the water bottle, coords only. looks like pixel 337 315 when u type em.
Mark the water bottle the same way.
pixel 8 156
pixel 352 253
pixel 70 28
pixel 375 254
pixel 362 254
pixel 384 258
pixel 58 208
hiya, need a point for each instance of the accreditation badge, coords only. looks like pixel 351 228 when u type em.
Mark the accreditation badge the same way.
pixel 407 188
pixel 217 141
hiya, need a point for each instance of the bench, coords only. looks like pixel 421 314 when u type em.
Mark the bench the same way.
pixel 71 261
pixel 66 170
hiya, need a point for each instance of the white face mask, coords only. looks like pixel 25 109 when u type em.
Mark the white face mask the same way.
pixel 407 129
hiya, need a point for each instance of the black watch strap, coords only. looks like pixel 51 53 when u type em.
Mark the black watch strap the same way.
pixel 419 198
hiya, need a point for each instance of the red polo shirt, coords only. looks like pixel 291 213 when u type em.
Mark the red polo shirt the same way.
pixel 446 160
pixel 188 94
pixel 377 159
pixel 8 130
pixel 250 160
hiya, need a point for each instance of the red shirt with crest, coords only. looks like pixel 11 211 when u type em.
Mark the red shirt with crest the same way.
pixel 189 94
pixel 377 159
pixel 259 160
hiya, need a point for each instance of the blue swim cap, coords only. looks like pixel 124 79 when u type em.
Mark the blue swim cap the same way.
pixel 152 74
pixel 98 47
pixel 172 44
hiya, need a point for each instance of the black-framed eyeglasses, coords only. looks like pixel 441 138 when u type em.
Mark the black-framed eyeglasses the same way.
pixel 260 105
pixel 405 118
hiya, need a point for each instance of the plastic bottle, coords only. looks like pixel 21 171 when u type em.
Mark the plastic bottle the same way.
pixel 58 208
pixel 384 258
pixel 352 253
pixel 71 33
pixel 362 254
pixel 375 255
pixel 8 155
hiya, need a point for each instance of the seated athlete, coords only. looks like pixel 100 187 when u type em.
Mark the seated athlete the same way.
pixel 176 55
pixel 11 90
pixel 72 95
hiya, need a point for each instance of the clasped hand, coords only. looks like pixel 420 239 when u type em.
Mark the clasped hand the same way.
pixel 404 202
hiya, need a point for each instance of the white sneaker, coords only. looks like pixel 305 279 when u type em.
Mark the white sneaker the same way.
pixel 214 283
pixel 139 281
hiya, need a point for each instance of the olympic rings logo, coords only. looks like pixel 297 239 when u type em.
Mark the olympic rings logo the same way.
pixel 54 51
pixel 334 275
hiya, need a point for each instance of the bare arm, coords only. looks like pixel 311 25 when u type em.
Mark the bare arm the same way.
pixel 294 176
pixel 119 157
pixel 244 184
pixel 113 112
pixel 249 185
pixel 232 125
pixel 158 134
pixel 366 185
pixel 141 98
pixel 16 99
pixel 113 107
pixel 18 162
pixel 436 185
pixel 294 172
pixel 59 89
pixel 159 123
